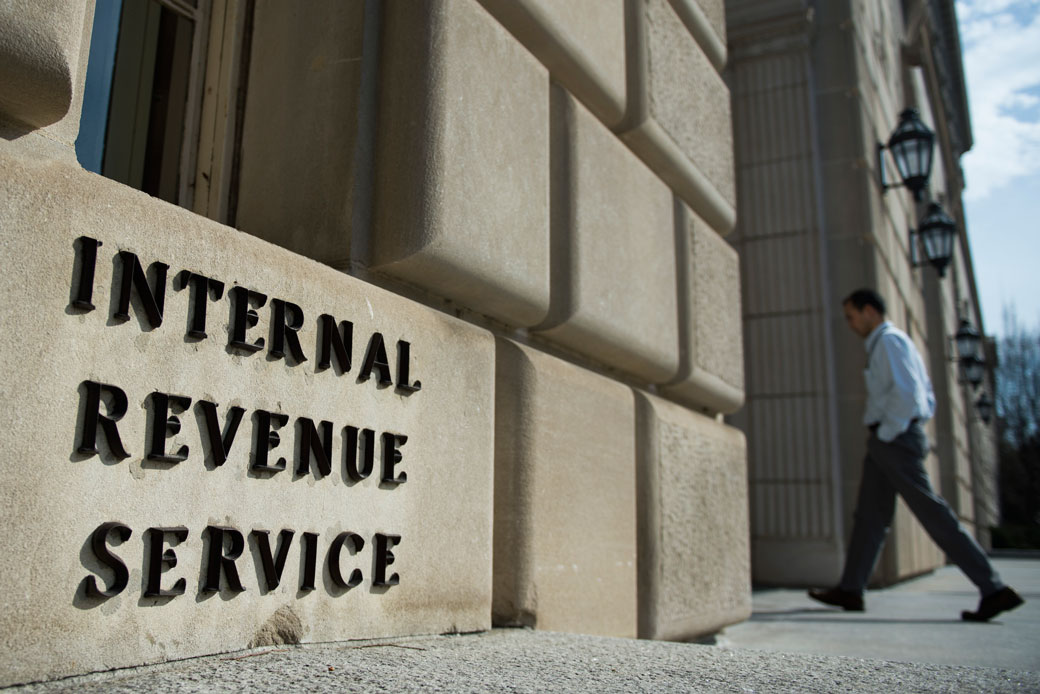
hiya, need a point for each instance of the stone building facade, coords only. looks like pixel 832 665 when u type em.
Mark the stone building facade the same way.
pixel 338 320
pixel 816 87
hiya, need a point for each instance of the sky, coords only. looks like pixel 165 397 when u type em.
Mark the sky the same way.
pixel 1000 40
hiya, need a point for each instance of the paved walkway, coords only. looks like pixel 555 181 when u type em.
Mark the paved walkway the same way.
pixel 914 622
pixel 909 640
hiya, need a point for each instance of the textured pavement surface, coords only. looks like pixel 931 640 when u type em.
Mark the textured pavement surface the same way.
pixel 910 640
pixel 917 621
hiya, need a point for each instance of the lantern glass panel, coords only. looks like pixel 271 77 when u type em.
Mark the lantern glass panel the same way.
pixel 905 157
pixel 967 338
pixel 930 241
pixel 936 236
pixel 973 370
pixel 944 242
pixel 911 146
pixel 984 406
pixel 924 154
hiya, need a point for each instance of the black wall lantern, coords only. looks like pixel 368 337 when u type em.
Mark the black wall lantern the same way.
pixel 911 147
pixel 967 338
pixel 935 236
pixel 973 370
pixel 969 342
pixel 984 406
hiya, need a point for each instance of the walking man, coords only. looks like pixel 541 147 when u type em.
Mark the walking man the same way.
pixel 899 400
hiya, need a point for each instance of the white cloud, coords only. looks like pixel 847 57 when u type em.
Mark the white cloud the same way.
pixel 1001 43
pixel 1021 101
pixel 968 10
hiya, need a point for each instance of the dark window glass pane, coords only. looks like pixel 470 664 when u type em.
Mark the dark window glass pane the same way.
pixel 169 102
pixel 149 96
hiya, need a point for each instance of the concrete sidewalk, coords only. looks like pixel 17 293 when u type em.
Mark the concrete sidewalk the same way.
pixel 915 622
pixel 910 640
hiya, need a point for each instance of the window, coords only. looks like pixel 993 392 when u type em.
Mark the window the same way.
pixel 159 107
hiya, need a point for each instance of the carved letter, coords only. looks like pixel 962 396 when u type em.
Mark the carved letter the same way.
pixel 285 324
pixel 273 566
pixel 87 257
pixel 311 446
pixel 201 290
pixel 92 417
pixel 266 439
pixel 335 341
pixel 159 560
pixel 404 350
pixel 243 316
pixel 218 562
pixel 120 574
pixel 367 446
pixel 392 456
pixel 135 280
pixel 220 445
pixel 165 425
pixel 310 560
pixel 375 358
pixel 335 573
pixel 384 558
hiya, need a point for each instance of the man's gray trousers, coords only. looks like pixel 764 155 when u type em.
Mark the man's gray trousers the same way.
pixel 898 467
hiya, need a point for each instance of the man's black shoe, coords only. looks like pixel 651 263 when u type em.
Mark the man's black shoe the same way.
pixel 990 606
pixel 848 601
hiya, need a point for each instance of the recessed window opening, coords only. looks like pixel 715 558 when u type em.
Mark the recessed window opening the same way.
pixel 141 103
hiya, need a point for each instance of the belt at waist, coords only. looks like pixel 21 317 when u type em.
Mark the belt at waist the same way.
pixel 874 427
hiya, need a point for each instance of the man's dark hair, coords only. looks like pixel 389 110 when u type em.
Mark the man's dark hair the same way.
pixel 865 297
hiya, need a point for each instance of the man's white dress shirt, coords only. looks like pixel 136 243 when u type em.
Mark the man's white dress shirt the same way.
pixel 898 387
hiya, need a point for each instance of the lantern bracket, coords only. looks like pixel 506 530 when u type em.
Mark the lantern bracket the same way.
pixel 885 185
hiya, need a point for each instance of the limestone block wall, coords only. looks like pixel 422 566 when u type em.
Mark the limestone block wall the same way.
pixel 690 473
pixel 471 100
pixel 675 95
pixel 565 496
pixel 599 237
pixel 606 194
pixel 309 71
pixel 582 44
pixel 711 355
pixel 524 316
